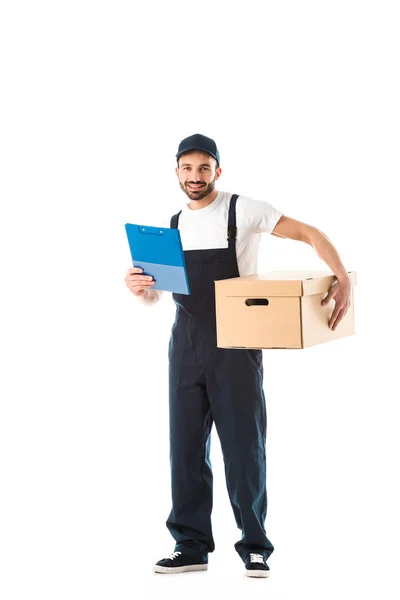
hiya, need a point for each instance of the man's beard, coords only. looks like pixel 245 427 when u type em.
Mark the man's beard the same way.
pixel 201 193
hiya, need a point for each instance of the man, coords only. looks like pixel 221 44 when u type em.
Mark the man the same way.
pixel 220 236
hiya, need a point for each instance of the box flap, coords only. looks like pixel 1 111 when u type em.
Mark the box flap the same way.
pixel 279 283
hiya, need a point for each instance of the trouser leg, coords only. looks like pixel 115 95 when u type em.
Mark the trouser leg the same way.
pixel 191 421
pixel 234 385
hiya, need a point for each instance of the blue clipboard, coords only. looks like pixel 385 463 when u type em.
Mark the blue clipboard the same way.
pixel 158 251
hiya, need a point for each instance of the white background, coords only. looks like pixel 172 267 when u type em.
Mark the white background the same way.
pixel 303 101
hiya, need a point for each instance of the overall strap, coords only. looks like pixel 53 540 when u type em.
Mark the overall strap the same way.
pixel 232 229
pixel 174 220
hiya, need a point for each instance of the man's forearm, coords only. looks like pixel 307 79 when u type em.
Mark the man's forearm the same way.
pixel 327 251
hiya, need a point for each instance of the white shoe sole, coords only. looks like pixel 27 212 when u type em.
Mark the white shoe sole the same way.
pixel 251 573
pixel 160 569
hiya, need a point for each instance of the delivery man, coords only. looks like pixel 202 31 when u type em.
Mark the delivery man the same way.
pixel 220 235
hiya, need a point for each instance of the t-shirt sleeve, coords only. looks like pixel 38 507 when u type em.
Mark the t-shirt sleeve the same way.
pixel 261 216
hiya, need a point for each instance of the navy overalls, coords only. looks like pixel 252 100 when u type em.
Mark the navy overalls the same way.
pixel 209 384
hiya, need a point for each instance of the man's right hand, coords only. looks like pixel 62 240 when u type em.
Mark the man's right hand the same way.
pixel 138 284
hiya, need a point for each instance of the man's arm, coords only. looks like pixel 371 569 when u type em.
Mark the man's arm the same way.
pixel 341 290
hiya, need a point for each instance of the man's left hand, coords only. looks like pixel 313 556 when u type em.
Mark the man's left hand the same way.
pixel 341 293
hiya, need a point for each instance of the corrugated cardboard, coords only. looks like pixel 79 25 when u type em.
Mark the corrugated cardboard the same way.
pixel 280 309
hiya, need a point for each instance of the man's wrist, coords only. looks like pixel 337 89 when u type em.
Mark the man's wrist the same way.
pixel 343 277
pixel 149 297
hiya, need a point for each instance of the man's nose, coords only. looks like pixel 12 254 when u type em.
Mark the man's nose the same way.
pixel 195 176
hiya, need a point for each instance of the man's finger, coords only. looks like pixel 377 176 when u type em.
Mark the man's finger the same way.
pixel 141 284
pixel 134 270
pixel 331 294
pixel 327 298
pixel 337 319
pixel 342 315
pixel 334 315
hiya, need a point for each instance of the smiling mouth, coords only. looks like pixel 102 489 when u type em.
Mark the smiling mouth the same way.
pixel 195 187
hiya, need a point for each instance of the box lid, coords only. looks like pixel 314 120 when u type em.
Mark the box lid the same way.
pixel 280 283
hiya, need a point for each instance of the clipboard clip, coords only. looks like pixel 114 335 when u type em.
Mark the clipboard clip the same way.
pixel 151 231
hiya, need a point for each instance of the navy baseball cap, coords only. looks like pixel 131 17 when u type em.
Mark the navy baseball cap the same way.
pixel 198 142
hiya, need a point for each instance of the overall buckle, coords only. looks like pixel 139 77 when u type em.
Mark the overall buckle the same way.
pixel 232 231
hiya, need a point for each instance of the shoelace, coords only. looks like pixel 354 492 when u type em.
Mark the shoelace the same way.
pixel 256 558
pixel 174 555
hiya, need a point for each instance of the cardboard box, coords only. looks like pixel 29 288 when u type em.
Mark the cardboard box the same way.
pixel 280 309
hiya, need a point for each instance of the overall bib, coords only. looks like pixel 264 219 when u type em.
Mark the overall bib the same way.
pixel 208 384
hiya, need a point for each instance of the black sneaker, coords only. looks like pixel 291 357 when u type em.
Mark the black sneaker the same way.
pixel 179 563
pixel 256 566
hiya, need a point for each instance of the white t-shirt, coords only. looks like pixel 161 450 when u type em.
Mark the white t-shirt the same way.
pixel 207 227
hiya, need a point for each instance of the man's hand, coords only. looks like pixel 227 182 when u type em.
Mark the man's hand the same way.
pixel 341 293
pixel 138 284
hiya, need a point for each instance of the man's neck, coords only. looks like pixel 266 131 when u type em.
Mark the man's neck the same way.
pixel 206 201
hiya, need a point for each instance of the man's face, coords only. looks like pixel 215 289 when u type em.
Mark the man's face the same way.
pixel 197 173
